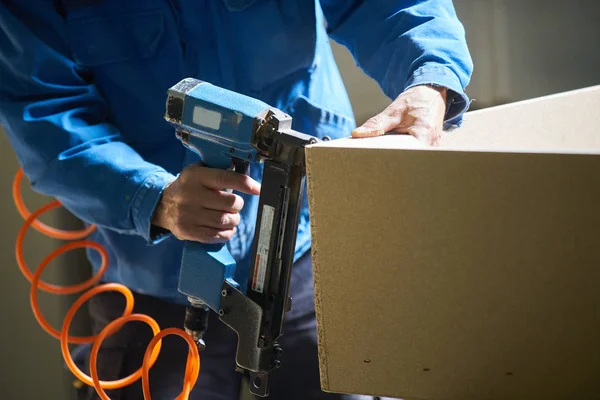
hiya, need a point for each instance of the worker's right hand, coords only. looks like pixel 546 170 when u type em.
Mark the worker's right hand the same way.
pixel 196 207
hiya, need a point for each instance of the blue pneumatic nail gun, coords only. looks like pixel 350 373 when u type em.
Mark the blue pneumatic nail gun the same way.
pixel 230 131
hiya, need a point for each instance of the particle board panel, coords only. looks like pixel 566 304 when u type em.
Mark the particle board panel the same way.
pixel 466 271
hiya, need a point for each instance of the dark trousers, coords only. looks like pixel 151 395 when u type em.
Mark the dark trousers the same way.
pixel 122 353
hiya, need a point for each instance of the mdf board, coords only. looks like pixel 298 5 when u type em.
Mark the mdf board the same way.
pixel 469 271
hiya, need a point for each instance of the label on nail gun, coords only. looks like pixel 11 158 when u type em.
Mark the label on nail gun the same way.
pixel 262 252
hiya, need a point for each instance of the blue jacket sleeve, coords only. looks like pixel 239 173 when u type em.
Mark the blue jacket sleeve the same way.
pixel 404 43
pixel 56 121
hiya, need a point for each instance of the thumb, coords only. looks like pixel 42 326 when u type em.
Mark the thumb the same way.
pixel 378 125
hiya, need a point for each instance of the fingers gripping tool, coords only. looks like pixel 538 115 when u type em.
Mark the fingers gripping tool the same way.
pixel 231 131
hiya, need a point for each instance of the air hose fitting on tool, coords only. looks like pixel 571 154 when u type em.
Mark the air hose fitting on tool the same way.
pixel 78 241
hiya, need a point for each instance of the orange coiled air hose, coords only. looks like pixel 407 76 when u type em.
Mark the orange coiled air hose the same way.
pixel 31 220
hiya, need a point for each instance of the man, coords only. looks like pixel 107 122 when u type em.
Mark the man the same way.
pixel 83 89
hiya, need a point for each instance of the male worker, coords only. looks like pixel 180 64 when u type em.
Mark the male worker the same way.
pixel 83 89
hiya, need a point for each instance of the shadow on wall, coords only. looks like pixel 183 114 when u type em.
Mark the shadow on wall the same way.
pixel 31 364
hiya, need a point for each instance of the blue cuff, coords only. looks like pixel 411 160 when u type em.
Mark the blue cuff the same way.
pixel 457 102
pixel 144 203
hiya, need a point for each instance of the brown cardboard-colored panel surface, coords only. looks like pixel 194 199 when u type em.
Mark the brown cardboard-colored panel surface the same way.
pixel 469 271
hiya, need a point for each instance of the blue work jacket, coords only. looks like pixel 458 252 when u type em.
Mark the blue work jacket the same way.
pixel 83 87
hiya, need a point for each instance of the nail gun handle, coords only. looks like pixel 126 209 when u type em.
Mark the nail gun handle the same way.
pixel 204 267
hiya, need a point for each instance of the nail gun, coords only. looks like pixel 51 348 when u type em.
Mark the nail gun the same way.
pixel 230 131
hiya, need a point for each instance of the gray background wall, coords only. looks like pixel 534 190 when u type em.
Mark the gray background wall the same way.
pixel 521 49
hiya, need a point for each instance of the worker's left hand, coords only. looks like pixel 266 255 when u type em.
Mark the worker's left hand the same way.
pixel 419 111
